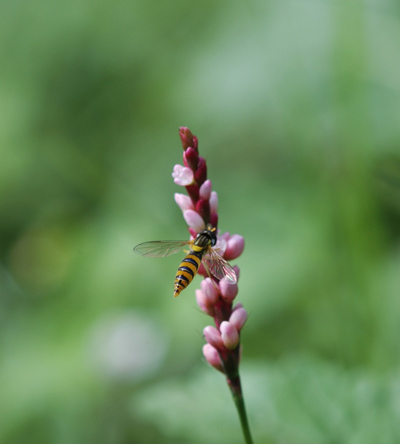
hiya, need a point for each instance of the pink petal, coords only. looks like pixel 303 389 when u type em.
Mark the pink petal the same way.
pixel 194 220
pixel 184 202
pixel 205 190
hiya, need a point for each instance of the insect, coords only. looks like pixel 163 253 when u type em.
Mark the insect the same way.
pixel 201 250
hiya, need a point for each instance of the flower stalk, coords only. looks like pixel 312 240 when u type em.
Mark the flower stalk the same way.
pixel 215 297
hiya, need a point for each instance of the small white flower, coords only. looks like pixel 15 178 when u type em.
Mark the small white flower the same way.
pixel 182 175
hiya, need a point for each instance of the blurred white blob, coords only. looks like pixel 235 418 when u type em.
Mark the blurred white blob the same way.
pixel 128 345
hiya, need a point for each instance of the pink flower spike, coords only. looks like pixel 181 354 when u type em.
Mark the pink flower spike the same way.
pixel 238 318
pixel 229 334
pixel 210 292
pixel 204 304
pixel 194 220
pixel 205 190
pixel 182 175
pixel 234 247
pixel 228 290
pixel 184 202
pixel 213 337
pixel 212 357
pixel 213 202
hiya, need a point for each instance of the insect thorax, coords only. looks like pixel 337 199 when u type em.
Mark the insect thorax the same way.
pixel 205 238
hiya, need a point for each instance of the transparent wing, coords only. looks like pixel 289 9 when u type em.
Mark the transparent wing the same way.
pixel 160 248
pixel 218 266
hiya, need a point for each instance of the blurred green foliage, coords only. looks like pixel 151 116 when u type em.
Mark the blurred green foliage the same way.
pixel 296 106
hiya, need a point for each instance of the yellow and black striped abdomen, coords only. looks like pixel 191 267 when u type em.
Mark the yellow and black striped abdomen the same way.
pixel 187 270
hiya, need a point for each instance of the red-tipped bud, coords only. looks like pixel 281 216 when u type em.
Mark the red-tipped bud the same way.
pixel 200 175
pixel 203 208
pixel 190 158
pixel 187 138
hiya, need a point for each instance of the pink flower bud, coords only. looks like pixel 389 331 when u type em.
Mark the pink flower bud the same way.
pixel 213 202
pixel 209 290
pixel 184 202
pixel 190 158
pixel 200 174
pixel 204 303
pixel 194 220
pixel 234 247
pixel 213 337
pixel 182 175
pixel 205 190
pixel 228 290
pixel 212 356
pixel 238 318
pixel 229 334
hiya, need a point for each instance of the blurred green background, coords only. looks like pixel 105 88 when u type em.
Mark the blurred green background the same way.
pixel 297 110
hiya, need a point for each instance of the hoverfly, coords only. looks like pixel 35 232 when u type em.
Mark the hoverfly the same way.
pixel 201 250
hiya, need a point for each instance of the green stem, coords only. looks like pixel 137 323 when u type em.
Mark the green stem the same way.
pixel 236 390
